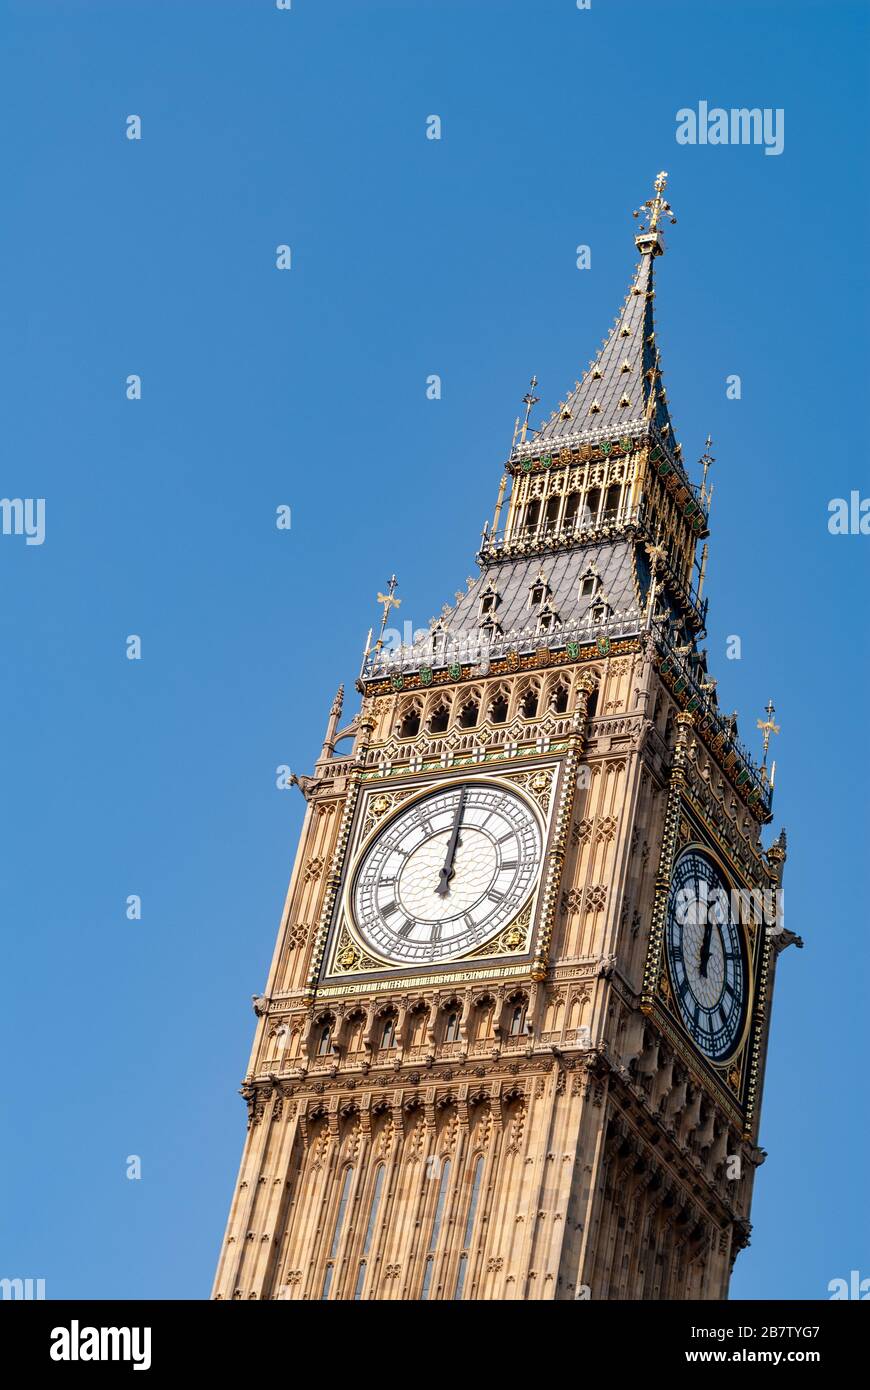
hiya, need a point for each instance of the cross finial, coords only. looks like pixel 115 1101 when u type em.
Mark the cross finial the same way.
pixel 389 602
pixel 529 399
pixel 706 460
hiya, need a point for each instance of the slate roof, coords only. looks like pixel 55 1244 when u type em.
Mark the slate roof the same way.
pixel 624 368
pixel 613 562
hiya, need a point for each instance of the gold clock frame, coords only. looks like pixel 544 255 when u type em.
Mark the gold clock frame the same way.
pixel 733 1080
pixel 344 935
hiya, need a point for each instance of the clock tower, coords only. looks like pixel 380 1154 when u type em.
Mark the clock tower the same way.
pixel 513 1037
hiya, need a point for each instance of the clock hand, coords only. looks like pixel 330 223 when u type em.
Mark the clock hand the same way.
pixel 705 950
pixel 447 871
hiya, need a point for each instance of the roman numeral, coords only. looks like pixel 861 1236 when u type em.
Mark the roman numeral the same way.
pixel 389 908
pixel 510 863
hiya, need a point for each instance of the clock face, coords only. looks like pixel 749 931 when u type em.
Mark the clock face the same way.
pixel 705 955
pixel 447 873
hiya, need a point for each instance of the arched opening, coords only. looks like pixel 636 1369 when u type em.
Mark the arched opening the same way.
pixel 498 710
pixel 572 507
pixel 517 1016
pixel 468 714
pixel 439 719
pixel 591 505
pixel 559 699
pixel 388 1032
pixel 529 703
pixel 611 501
pixel 409 724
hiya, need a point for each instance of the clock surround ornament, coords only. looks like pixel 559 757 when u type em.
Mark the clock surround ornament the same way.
pixel 706 955
pixel 449 871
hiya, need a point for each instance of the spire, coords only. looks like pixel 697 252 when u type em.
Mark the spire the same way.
pixel 332 724
pixel 621 393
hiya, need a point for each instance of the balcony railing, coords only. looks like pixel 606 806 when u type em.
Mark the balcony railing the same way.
pixel 549 536
pixel 443 649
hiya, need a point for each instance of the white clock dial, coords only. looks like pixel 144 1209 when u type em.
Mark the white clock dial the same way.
pixel 705 955
pixel 447 873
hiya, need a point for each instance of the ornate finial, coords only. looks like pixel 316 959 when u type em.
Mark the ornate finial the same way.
pixel 529 399
pixel 338 701
pixel 705 461
pixel 767 728
pixel 653 211
pixel 657 555
pixel 389 602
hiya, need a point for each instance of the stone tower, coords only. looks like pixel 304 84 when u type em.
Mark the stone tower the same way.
pixel 513 1037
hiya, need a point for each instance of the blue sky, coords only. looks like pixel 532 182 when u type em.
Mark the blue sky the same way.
pixel 307 388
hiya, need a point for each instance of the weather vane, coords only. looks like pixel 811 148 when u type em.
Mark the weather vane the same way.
pixel 655 207
pixel 389 602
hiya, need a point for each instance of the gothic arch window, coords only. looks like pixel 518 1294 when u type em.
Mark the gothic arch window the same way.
pixel 436 1227
pixel 559 699
pixel 355 1025
pixel 336 1234
pixel 592 704
pixel 517 1007
pixel 469 1227
pixel 370 1229
pixel 439 718
pixel 529 703
pixel 488 603
pixel 324 1035
pixel 409 721
pixel 468 714
pixel 551 515
pixel 538 592
pixel 438 639
pixel 589 584
pixel 611 502
pixel 600 612
pixel 547 620
pixel 498 708
pixel 451 1026
pixel 572 507
pixel 419 1019
pixel 388 1032
pixel 533 511
pixel 590 505
pixel 484 1019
